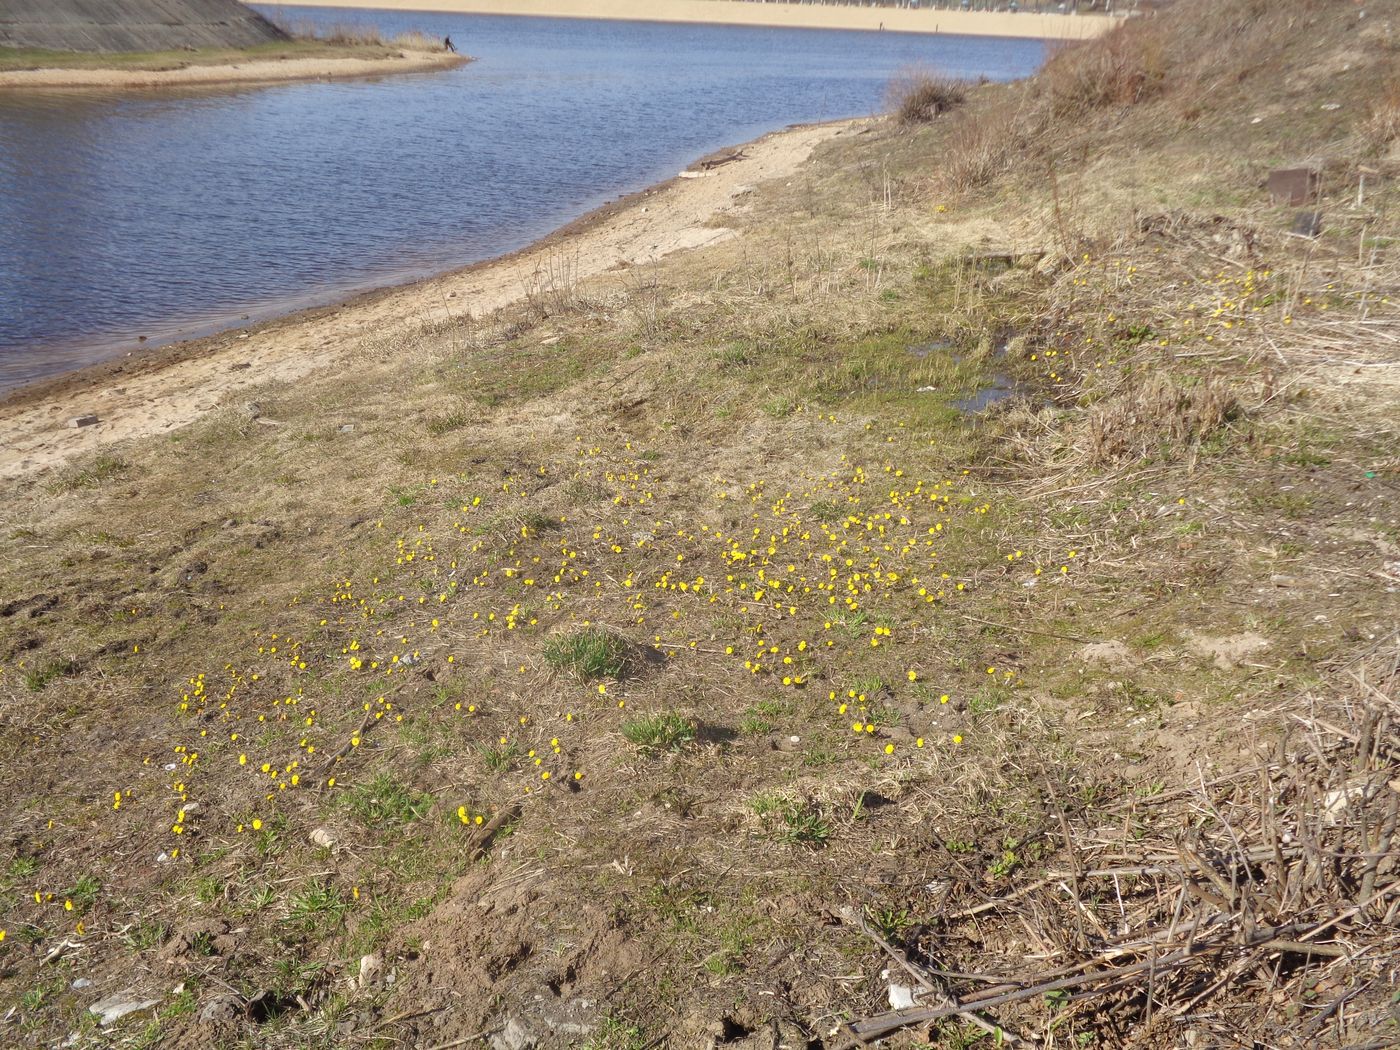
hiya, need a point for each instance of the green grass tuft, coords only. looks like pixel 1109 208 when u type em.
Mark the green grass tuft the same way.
pixel 590 653
pixel 664 732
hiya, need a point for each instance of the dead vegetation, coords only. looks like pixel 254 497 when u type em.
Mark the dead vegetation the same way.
pixel 1382 127
pixel 355 34
pixel 1277 881
pixel 1121 68
pixel 981 148
pixel 918 96
pixel 1155 414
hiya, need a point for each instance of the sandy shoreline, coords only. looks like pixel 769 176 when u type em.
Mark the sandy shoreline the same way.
pixel 781 15
pixel 158 391
pixel 267 71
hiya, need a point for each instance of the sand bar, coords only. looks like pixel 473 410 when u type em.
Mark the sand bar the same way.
pixel 790 16
pixel 158 391
pixel 264 71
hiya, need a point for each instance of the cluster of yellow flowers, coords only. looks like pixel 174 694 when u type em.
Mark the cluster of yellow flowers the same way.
pixel 808 579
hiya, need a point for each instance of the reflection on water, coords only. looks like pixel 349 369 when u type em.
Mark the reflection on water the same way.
pixel 162 214
pixel 1000 388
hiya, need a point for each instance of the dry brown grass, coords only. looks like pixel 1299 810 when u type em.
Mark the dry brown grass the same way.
pixel 918 96
pixel 1276 880
pixel 1121 68
pixel 981 147
pixel 1381 128
pixel 356 34
pixel 1146 419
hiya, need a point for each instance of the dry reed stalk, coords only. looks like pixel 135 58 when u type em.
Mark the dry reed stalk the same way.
pixel 1284 875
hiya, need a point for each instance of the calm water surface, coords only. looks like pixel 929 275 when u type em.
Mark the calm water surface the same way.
pixel 172 214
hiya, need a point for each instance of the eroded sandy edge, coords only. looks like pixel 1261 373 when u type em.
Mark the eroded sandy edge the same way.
pixel 35 433
pixel 270 71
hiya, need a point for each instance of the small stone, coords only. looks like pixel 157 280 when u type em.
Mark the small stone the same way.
pixel 347 428
pixel 901 997
pixel 371 969
pixel 514 1036
pixel 77 422
pixel 81 982
pixel 221 1012
pixel 123 1004
pixel 323 838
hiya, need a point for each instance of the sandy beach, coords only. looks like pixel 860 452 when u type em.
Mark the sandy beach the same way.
pixel 790 16
pixel 269 71
pixel 160 390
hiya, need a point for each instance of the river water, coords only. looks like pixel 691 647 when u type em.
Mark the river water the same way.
pixel 175 213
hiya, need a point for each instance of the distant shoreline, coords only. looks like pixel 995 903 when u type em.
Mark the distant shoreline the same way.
pixel 252 71
pixel 779 15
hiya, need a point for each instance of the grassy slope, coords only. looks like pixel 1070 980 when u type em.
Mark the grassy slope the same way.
pixel 733 466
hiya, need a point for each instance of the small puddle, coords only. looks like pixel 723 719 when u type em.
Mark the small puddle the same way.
pixel 923 350
pixel 1001 387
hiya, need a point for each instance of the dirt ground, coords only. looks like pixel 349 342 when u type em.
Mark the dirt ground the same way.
pixel 923 585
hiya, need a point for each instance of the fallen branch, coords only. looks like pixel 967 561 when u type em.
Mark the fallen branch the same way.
pixel 928 982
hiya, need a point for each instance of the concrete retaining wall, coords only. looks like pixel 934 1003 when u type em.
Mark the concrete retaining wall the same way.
pixel 132 25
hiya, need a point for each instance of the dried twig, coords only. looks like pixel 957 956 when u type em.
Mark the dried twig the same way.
pixel 927 981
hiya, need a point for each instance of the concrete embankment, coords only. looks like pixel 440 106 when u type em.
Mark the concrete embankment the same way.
pixel 132 25
pixel 791 16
